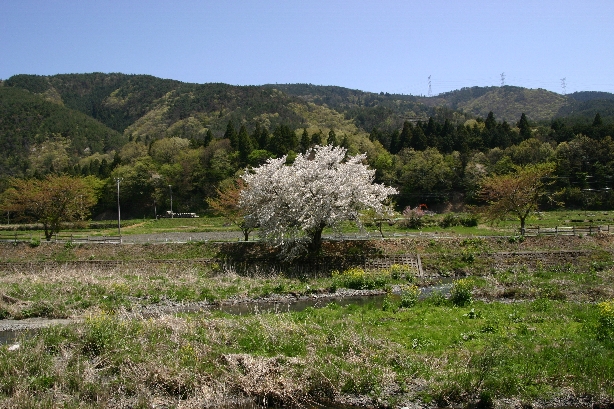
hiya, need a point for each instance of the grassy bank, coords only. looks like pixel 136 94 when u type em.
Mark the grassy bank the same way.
pixel 509 334
pixel 434 353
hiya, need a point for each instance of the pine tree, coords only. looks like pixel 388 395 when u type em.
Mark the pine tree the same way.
pixel 490 122
pixel 394 142
pixel 316 138
pixel 231 135
pixel 332 138
pixel 525 128
pixel 208 137
pixel 405 137
pixel 418 140
pixel 263 138
pixel 244 145
pixel 305 141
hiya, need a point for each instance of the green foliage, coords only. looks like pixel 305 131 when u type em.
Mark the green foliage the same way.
pixel 605 322
pixel 460 294
pixel 409 296
pixel 357 278
pixel 401 271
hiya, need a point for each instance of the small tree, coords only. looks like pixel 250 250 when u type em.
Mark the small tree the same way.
pixel 51 201
pixel 226 204
pixel 515 193
pixel 293 204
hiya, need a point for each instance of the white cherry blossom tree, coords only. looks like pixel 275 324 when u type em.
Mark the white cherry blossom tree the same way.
pixel 292 204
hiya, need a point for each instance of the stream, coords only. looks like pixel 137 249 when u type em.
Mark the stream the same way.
pixel 11 330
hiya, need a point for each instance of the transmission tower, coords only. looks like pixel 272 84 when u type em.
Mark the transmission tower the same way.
pixel 502 79
pixel 564 86
pixel 430 89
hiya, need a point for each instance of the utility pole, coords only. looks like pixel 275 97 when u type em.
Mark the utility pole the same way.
pixel 119 218
pixel 170 188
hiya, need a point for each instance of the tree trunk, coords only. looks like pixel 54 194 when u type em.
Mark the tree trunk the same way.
pixel 316 241
pixel 48 232
pixel 246 235
pixel 522 223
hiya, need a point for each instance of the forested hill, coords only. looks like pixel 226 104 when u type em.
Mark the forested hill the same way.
pixel 154 132
pixel 37 135
pixel 509 103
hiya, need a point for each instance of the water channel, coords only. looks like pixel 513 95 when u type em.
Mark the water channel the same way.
pixel 11 330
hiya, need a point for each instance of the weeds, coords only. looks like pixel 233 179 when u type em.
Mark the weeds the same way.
pixel 460 295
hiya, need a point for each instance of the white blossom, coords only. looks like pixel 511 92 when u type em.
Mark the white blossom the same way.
pixel 292 204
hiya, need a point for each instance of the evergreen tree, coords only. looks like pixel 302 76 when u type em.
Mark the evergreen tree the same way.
pixel 256 137
pixel 316 138
pixel 231 134
pixel 332 138
pixel 208 137
pixel 490 121
pixel 446 138
pixel 283 140
pixel 418 140
pixel 525 128
pixel 345 142
pixel 305 141
pixel 263 139
pixel 597 121
pixel 244 145
pixel 406 135
pixel 394 142
pixel 375 135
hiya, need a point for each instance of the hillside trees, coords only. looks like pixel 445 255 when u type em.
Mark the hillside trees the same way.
pixel 52 201
pixel 293 204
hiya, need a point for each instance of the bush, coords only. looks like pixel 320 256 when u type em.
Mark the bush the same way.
pixel 605 323
pixel 357 278
pixel 397 271
pixel 449 220
pixel 460 294
pixel 471 220
pixel 409 296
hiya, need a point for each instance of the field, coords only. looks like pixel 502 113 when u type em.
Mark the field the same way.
pixel 527 322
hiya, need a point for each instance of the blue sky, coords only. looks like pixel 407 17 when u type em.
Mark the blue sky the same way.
pixel 389 46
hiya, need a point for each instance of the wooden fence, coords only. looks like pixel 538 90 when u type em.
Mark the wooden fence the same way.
pixel 567 230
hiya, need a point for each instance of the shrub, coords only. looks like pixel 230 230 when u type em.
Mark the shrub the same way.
pixel 460 294
pixel 605 323
pixel 449 220
pixel 471 220
pixel 409 296
pixel 397 271
pixel 357 278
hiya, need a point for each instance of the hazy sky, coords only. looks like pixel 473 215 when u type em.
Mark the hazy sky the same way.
pixel 389 46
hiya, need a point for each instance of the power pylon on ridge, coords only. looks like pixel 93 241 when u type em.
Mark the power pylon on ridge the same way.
pixel 564 86
pixel 430 89
pixel 502 79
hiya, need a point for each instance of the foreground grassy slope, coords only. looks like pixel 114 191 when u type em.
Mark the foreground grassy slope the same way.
pixel 520 336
